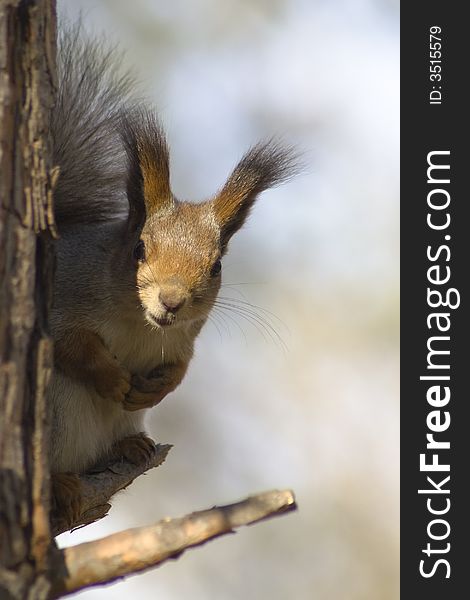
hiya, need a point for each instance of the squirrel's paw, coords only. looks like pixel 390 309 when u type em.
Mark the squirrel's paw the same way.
pixel 113 382
pixel 136 448
pixel 147 392
pixel 66 499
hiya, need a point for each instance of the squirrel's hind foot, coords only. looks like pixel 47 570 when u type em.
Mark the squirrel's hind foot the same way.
pixel 137 449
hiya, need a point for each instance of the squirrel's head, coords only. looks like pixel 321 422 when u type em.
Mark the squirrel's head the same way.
pixel 177 247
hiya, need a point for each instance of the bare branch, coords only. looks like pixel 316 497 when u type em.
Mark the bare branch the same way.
pixel 135 550
pixel 99 485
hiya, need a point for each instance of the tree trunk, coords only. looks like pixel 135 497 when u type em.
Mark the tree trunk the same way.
pixel 27 76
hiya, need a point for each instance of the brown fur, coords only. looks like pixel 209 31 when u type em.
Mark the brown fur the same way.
pixel 149 391
pixel 81 354
pixel 156 178
pixel 182 245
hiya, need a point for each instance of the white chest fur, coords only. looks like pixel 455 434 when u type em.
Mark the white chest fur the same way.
pixel 141 348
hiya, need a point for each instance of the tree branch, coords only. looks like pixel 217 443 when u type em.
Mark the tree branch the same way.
pixel 99 485
pixel 135 550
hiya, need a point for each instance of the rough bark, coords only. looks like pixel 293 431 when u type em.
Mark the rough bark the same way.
pixel 27 75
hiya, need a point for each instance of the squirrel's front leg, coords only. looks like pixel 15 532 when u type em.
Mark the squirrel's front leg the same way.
pixel 148 391
pixel 82 355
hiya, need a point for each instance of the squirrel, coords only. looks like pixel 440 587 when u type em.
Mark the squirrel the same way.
pixel 137 270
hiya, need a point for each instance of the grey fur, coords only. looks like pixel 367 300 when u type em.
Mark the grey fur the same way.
pixel 93 279
pixel 92 94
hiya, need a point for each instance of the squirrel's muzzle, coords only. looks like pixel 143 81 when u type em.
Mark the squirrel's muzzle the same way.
pixel 172 297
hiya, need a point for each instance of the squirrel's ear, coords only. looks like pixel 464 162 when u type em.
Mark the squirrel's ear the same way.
pixel 148 178
pixel 263 166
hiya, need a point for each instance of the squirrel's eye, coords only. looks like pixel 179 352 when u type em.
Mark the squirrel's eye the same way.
pixel 216 268
pixel 139 251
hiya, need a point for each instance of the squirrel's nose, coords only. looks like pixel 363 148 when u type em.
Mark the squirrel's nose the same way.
pixel 171 300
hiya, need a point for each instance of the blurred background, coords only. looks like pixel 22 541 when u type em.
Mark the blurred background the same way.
pixel 301 392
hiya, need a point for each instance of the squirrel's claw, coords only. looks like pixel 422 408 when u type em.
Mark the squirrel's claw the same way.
pixel 146 392
pixel 136 400
pixel 136 449
pixel 155 383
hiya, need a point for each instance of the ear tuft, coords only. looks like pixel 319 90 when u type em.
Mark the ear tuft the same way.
pixel 148 184
pixel 265 165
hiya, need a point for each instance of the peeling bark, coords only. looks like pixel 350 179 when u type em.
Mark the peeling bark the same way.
pixel 98 487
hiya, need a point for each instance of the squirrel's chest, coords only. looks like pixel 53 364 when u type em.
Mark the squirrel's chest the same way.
pixel 141 349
